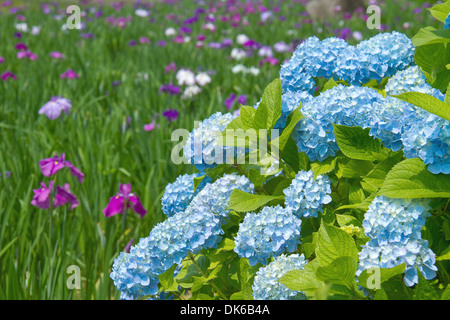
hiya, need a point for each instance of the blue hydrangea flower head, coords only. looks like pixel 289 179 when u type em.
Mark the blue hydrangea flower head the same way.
pixel 268 233
pixel 290 101
pixel 394 228
pixel 133 276
pixel 306 196
pixel 266 285
pixel 415 254
pixel 447 22
pixel 395 220
pixel 200 226
pixel 405 81
pixel 350 106
pixel 179 194
pixel 203 142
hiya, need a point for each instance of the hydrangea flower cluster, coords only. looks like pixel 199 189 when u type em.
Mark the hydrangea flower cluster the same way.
pixel 404 80
pixel 289 102
pixel 376 58
pixel 135 273
pixel 268 233
pixel 202 143
pixel 394 227
pixel 179 194
pixel 306 196
pixel 266 285
pixel 350 106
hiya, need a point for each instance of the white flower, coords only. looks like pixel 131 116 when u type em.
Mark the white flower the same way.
pixel 202 78
pixel 241 39
pixel 265 51
pixel 253 70
pixel 191 91
pixel 23 27
pixel 142 13
pixel 185 77
pixel 281 47
pixel 238 54
pixel 209 26
pixel 35 30
pixel 170 32
pixel 357 36
pixel 239 68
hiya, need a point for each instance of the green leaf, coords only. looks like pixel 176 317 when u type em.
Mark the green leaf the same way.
pixel 198 180
pixel 333 243
pixel 247 115
pixel 447 95
pixel 269 109
pixel 445 255
pixel 356 143
pixel 446 294
pixel 324 167
pixel 301 280
pixel 166 279
pixel 329 84
pixel 345 220
pixel 430 35
pixel 426 102
pixel 371 278
pixel 354 169
pixel 241 201
pixel 294 118
pixel 377 175
pixel 424 289
pixel 411 179
pixel 359 206
pixel 440 11
pixel 341 271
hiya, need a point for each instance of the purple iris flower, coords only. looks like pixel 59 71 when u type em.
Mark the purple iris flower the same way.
pixel 170 89
pixel 43 195
pixel 69 74
pixel 7 75
pixel 123 201
pixel 55 106
pixel 50 166
pixel 230 101
pixel 171 114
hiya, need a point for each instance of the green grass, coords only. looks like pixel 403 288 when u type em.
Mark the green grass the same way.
pixel 96 137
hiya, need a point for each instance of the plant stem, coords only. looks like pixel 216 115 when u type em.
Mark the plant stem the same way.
pixel 219 292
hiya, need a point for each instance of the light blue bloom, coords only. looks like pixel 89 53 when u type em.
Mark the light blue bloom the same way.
pixel 394 228
pixel 350 106
pixel 179 194
pixel 266 285
pixel 268 233
pixel 405 81
pixel 306 196
pixel 290 101
pixel 135 274
pixel 204 141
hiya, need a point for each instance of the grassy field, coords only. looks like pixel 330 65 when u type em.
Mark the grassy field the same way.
pixel 116 94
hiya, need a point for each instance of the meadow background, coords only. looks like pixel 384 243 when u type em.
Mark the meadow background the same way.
pixel 120 58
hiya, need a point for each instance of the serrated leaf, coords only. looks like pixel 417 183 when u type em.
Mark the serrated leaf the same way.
pixel 356 143
pixel 345 220
pixel 300 280
pixel 324 167
pixel 333 243
pixel 241 201
pixel 411 179
pixel 426 102
pixel 280 141
pixel 359 206
pixel 341 271
pixel 269 109
pixel 440 11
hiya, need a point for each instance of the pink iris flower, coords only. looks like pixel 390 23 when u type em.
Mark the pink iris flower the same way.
pixel 56 55
pixel 7 75
pixel 43 195
pixel 69 74
pixel 50 166
pixel 55 106
pixel 122 201
pixel 26 54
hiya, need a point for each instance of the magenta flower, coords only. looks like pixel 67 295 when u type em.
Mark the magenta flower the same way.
pixel 55 106
pixel 144 40
pixel 26 54
pixel 242 99
pixel 123 201
pixel 7 75
pixel 151 126
pixel 21 46
pixel 273 61
pixel 56 55
pixel 171 67
pixel 69 74
pixel 43 195
pixel 2 60
pixel 230 101
pixel 50 166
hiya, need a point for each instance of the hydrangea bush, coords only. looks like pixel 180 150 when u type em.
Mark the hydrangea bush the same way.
pixel 359 207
